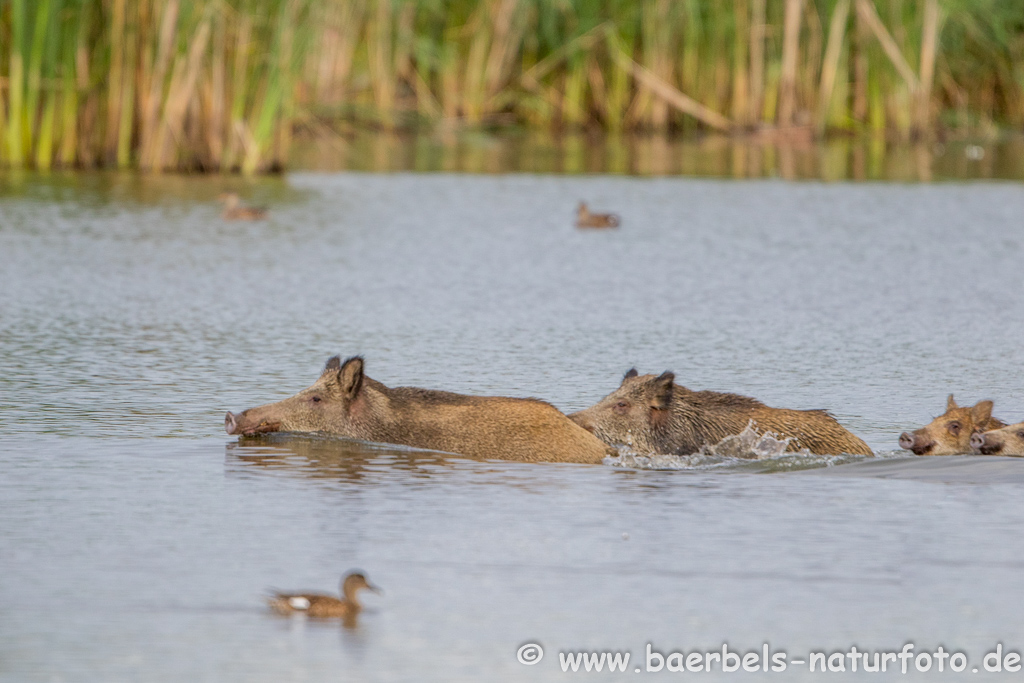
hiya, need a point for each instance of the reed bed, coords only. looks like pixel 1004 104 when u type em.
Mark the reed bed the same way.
pixel 225 84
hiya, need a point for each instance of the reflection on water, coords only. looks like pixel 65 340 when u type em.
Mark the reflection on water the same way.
pixel 325 457
pixel 754 156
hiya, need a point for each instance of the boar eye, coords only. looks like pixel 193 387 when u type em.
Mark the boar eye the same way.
pixel 621 404
pixel 1020 435
pixel 316 399
pixel 954 427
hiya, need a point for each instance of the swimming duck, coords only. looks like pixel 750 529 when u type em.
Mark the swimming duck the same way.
pixel 325 606
pixel 234 211
pixel 585 219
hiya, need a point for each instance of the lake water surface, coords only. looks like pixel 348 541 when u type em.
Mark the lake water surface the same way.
pixel 137 540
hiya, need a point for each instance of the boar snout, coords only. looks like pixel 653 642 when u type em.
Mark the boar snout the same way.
pixel 583 421
pixel 246 424
pixel 985 444
pixel 918 445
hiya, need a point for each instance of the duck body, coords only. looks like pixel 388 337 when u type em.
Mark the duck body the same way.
pixel 586 219
pixel 323 606
pixel 234 211
pixel 317 605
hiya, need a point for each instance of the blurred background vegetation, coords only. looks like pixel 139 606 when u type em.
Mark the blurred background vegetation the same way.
pixel 227 84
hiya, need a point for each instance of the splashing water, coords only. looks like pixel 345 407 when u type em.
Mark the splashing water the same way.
pixel 749 450
pixel 750 445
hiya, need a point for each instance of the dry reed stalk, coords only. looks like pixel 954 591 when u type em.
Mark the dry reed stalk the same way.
pixel 581 42
pixel 757 34
pixel 127 113
pixel 239 92
pixel 860 70
pixel 351 20
pixel 597 88
pixel 657 54
pixel 674 97
pixel 116 79
pixel 503 45
pixel 152 104
pixel 812 58
pixel 473 79
pixel 217 87
pixel 405 45
pixel 573 112
pixel 378 42
pixel 866 10
pixel 327 55
pixel 790 53
pixel 740 84
pixel 449 78
pixel 929 47
pixel 69 103
pixel 88 113
pixel 833 51
pixel 180 95
pixel 618 92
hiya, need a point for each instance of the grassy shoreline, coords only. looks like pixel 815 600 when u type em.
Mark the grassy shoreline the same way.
pixel 224 84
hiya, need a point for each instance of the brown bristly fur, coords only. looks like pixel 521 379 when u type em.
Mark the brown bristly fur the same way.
pixel 950 433
pixel 1003 441
pixel 345 402
pixel 655 415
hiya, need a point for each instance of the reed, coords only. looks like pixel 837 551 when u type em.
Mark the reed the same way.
pixel 222 84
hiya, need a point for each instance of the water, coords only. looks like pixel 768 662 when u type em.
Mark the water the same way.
pixel 757 155
pixel 137 541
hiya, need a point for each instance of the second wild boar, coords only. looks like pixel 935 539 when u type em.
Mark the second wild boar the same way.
pixel 1003 441
pixel 656 415
pixel 345 402
pixel 950 433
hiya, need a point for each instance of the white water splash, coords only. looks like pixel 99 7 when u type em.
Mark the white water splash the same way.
pixel 750 445
pixel 750 450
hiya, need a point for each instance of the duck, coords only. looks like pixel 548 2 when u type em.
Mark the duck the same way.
pixel 234 211
pixel 323 606
pixel 585 219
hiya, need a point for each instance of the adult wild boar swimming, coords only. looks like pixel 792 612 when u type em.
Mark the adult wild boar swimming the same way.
pixel 345 402
pixel 656 415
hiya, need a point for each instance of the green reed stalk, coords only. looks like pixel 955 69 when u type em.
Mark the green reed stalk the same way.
pixel 47 130
pixel 16 86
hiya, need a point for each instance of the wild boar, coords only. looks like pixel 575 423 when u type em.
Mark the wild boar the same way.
pixel 345 402
pixel 656 415
pixel 1005 441
pixel 950 433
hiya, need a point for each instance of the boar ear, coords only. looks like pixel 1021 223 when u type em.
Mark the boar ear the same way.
pixel 630 374
pixel 333 365
pixel 951 404
pixel 661 395
pixel 350 377
pixel 981 412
